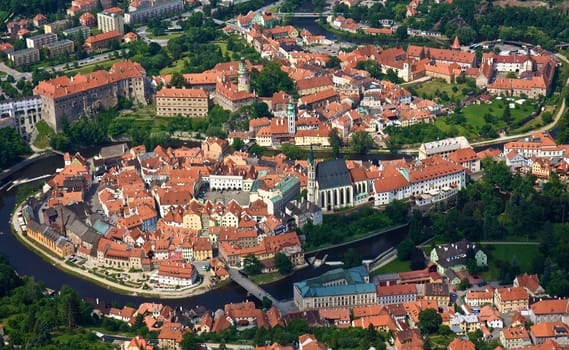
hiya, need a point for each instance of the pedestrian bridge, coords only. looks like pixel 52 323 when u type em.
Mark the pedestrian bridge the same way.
pixel 258 292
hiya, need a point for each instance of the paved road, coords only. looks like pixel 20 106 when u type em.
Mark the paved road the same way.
pixel 17 75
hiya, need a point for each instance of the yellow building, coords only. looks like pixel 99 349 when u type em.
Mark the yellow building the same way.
pixel 511 299
pixel 50 239
pixel 171 102
pixel 192 221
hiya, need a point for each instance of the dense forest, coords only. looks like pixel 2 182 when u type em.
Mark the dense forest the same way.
pixel 12 147
pixel 506 207
pixel 473 20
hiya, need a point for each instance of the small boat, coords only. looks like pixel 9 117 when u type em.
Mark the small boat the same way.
pixel 1 233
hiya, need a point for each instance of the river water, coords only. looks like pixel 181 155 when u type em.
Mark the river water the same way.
pixel 27 263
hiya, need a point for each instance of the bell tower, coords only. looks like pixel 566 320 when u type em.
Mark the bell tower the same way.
pixel 243 77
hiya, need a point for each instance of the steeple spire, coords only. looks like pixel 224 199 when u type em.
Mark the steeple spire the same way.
pixel 311 156
pixel 455 44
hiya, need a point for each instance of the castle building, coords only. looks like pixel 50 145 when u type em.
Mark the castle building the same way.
pixel 243 83
pixel 65 97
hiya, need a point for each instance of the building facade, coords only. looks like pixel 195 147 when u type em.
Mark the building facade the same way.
pixel 140 10
pixel 171 102
pixel 72 97
pixel 111 19
pixel 336 288
pixel 24 57
pixel 25 112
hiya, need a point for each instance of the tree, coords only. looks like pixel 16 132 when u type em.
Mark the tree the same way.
pixel 292 151
pixel 546 117
pixel 464 284
pixel 252 265
pixel 429 321
pixel 283 264
pixel 401 33
pixel 335 142
pixel 238 144
pixel 257 150
pixel 405 249
pixel 361 142
pixel 352 258
pixel 333 62
pixel 266 302
pixel 177 80
pixel 507 114
pixel 270 80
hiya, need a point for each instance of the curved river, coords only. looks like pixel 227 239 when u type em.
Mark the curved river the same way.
pixel 27 263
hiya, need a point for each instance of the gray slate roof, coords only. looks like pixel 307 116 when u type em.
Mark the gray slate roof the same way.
pixel 332 174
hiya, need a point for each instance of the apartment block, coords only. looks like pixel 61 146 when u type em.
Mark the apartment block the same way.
pixel 60 48
pixel 138 11
pixel 39 41
pixel 111 19
pixel 72 32
pixel 23 57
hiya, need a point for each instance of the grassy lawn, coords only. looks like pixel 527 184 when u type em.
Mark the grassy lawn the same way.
pixel 396 265
pixel 176 67
pixel 165 36
pixel 474 114
pixel 504 253
pixel 222 45
pixel 442 125
pixel 429 89
pixel 265 278
pixel 89 68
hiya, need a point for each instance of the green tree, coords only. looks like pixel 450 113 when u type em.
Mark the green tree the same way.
pixel 429 321
pixel 507 114
pixel 177 80
pixel 547 117
pixel 270 80
pixel 252 265
pixel 333 62
pixel 238 144
pixel 335 142
pixel 351 258
pixel 464 284
pixel 283 264
pixel 405 249
pixel 401 33
pixel 361 142
pixel 266 302
pixel 292 151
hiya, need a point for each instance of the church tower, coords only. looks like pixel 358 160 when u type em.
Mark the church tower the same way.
pixel 311 185
pixel 243 77
pixel 291 117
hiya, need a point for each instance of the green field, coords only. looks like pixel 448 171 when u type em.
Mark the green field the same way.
pixel 435 87
pixel 474 114
pixel 176 67
pixel 504 253
pixel 89 68
pixel 394 266
pixel 165 36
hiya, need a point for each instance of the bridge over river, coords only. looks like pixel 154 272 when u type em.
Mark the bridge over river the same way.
pixel 284 306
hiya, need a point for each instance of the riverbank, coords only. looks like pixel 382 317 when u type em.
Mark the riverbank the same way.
pixel 91 277
pixel 367 236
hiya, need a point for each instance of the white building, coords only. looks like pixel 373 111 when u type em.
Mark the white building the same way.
pixel 22 113
pixel 442 147
pixel 172 274
pixel 428 181
pixel 111 19
pixel 225 182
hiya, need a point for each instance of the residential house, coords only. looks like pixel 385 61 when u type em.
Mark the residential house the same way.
pixel 512 338
pixel 511 299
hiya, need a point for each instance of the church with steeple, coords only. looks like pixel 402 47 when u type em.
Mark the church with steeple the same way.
pixel 331 185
